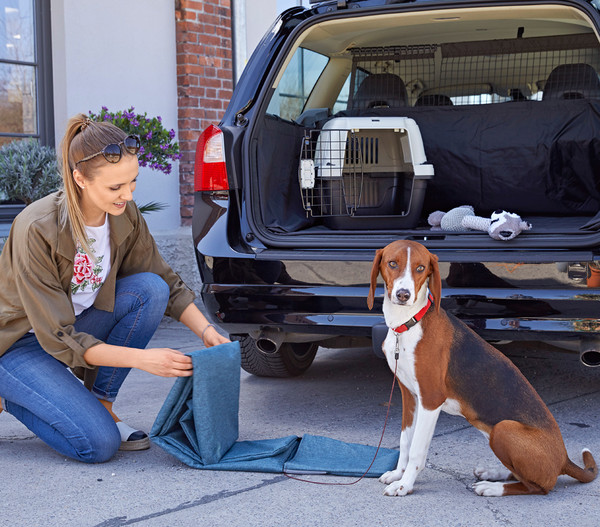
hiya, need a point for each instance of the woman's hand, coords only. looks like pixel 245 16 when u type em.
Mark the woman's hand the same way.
pixel 165 362
pixel 211 337
pixel 193 318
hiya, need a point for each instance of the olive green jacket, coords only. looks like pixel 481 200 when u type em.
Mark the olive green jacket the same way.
pixel 36 268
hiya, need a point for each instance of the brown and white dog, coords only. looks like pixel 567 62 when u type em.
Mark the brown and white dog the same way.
pixel 441 364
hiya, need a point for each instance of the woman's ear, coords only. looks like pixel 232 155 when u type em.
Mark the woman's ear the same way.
pixel 79 179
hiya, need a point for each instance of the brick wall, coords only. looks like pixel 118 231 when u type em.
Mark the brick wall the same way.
pixel 204 80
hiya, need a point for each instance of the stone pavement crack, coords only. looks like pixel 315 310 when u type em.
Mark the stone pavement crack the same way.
pixel 566 399
pixel 499 517
pixel 122 520
pixel 454 430
pixel 465 479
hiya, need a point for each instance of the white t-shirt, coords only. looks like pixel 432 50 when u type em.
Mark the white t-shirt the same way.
pixel 89 273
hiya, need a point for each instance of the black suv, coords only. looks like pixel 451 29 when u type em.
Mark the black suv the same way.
pixel 355 120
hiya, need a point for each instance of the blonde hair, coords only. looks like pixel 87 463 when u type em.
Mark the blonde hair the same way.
pixel 82 138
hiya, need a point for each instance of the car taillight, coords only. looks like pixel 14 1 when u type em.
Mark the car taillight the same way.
pixel 210 172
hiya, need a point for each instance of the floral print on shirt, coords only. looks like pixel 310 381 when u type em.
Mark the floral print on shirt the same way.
pixel 85 271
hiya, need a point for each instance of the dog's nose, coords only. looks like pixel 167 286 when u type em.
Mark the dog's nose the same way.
pixel 505 234
pixel 403 295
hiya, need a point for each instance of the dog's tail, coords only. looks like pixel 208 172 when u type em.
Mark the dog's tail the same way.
pixel 585 475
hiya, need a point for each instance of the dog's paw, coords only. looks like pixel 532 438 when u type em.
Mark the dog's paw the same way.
pixel 489 488
pixel 391 476
pixel 398 488
pixel 492 474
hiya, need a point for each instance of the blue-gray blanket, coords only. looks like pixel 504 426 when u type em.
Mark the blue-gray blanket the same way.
pixel 198 424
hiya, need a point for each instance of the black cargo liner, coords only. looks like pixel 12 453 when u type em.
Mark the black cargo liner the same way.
pixel 537 159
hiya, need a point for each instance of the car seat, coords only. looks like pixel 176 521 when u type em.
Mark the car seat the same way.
pixel 572 81
pixel 380 90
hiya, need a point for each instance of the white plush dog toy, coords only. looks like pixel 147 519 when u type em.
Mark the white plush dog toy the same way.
pixel 501 225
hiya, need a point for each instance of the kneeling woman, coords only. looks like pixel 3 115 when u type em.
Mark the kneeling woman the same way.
pixel 82 286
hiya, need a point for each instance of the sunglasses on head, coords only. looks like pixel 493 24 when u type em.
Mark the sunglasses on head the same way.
pixel 112 152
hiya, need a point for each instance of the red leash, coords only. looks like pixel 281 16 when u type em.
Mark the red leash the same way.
pixel 376 452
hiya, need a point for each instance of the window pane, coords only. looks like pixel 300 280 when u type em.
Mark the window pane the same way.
pixel 297 82
pixel 16 30
pixel 342 99
pixel 17 99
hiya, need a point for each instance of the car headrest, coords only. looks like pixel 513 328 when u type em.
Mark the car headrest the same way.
pixel 380 90
pixel 572 81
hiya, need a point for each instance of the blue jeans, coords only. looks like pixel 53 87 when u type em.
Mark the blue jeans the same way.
pixel 47 398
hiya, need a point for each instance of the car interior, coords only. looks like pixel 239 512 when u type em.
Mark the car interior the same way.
pixel 506 102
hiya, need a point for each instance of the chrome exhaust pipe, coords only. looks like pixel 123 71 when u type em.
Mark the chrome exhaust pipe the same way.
pixel 589 352
pixel 269 341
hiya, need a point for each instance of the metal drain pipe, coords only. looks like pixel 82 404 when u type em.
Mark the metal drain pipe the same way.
pixel 589 352
pixel 269 341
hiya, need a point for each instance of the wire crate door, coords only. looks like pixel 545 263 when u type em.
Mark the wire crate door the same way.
pixel 330 172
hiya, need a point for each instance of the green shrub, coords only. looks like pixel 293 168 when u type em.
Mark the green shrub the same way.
pixel 28 171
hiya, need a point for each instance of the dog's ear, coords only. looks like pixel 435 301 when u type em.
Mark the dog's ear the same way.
pixel 374 275
pixel 435 282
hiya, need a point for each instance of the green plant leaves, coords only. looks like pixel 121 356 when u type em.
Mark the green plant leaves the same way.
pixel 158 147
pixel 28 170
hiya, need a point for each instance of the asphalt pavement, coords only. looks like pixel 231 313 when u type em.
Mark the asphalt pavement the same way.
pixel 342 396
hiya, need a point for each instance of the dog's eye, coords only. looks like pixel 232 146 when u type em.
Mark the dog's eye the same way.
pixel 420 269
pixel 393 264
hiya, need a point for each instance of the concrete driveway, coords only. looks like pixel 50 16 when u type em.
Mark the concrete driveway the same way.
pixel 342 396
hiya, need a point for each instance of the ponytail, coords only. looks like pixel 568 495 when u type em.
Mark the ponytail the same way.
pixel 70 211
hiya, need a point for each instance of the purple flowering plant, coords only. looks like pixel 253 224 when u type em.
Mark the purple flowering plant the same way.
pixel 158 147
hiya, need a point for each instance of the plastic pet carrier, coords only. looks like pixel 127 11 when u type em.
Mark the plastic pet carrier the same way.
pixel 364 173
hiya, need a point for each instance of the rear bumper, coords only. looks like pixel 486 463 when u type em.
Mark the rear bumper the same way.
pixel 331 311
pixel 321 293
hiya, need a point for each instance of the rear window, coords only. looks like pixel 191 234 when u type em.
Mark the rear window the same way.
pixel 484 72
pixel 297 82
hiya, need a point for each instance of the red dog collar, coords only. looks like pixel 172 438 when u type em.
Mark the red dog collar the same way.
pixel 414 320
